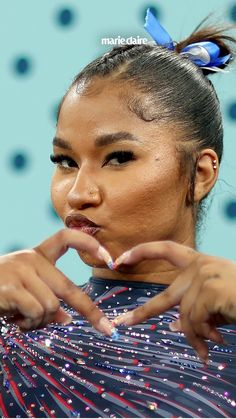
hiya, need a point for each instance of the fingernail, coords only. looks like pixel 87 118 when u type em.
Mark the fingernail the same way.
pixel 68 319
pixel 125 319
pixel 203 358
pixel 205 362
pixel 115 321
pixel 105 256
pixel 115 335
pixel 27 324
pixel 105 326
pixel 225 341
pixel 110 265
pixel 173 326
pixel 122 258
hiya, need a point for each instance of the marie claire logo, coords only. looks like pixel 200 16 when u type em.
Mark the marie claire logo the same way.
pixel 123 41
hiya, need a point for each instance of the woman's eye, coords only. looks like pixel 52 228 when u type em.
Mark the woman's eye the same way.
pixel 64 162
pixel 119 157
pixel 115 158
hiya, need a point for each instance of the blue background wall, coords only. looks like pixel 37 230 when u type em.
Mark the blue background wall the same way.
pixel 43 45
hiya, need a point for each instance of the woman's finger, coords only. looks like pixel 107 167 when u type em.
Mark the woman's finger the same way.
pixel 202 315
pixel 61 317
pixel 75 297
pixel 168 298
pixel 20 300
pixel 46 297
pixel 42 259
pixel 195 318
pixel 176 326
pixel 188 302
pixel 62 286
pixel 196 341
pixel 211 333
pixel 58 244
pixel 175 253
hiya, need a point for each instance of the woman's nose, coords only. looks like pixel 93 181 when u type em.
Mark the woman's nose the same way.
pixel 84 192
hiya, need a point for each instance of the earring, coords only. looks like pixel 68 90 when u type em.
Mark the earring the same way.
pixel 214 164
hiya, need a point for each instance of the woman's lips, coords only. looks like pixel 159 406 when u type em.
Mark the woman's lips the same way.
pixel 82 223
pixel 86 229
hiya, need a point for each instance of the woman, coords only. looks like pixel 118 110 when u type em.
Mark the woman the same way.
pixel 137 148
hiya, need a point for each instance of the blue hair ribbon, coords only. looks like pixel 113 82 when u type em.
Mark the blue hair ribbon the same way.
pixel 157 32
pixel 204 54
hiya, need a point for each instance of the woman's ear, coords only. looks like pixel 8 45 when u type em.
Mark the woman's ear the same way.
pixel 206 174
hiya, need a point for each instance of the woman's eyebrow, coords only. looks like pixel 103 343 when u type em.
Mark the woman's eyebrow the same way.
pixel 107 139
pixel 101 141
pixel 59 142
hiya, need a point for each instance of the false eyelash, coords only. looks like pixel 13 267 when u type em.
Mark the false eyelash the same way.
pixel 59 158
pixel 129 155
pixel 122 154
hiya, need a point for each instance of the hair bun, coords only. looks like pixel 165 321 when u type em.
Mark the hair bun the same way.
pixel 215 34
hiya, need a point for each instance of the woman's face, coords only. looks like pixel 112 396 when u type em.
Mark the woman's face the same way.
pixel 139 194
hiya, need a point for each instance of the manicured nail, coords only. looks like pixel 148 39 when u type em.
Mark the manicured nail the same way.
pixel 68 319
pixel 115 335
pixel 110 265
pixel 27 324
pixel 174 327
pixel 222 340
pixel 105 326
pixel 205 362
pixel 122 258
pixel 125 319
pixel 105 256
pixel 203 358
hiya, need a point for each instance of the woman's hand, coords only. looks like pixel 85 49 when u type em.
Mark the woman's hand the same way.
pixel 31 285
pixel 205 289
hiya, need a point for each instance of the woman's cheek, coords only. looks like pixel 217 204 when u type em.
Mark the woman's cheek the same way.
pixel 59 192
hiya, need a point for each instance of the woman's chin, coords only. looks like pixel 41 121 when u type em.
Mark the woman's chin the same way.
pixel 90 260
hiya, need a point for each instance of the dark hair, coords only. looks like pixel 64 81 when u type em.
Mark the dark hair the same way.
pixel 169 87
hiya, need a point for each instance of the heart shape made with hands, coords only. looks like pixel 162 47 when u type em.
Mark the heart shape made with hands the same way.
pixel 105 255
pixel 182 291
pixel 177 254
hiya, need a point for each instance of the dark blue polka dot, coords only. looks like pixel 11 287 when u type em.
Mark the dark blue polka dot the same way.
pixel 19 161
pixel 230 210
pixel 232 13
pixel 155 11
pixel 65 17
pixel 22 65
pixel 232 111
pixel 53 213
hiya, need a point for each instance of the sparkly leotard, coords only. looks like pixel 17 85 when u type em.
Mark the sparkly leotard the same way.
pixel 73 371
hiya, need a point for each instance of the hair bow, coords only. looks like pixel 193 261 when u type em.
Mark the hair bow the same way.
pixel 204 54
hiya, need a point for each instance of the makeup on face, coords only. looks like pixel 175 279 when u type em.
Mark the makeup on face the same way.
pixel 131 164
